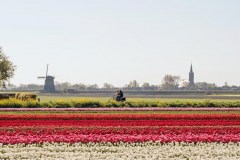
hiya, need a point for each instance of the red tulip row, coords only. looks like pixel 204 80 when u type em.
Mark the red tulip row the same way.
pixel 121 134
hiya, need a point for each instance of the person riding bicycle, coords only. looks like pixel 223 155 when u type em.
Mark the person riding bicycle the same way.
pixel 119 95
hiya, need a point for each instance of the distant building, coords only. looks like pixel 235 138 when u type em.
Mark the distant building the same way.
pixel 49 84
pixel 191 79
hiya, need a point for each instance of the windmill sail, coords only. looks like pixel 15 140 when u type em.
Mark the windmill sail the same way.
pixel 47 71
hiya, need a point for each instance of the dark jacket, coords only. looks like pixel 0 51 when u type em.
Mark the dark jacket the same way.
pixel 120 93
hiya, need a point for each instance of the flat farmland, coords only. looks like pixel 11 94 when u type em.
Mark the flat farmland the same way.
pixel 108 102
pixel 236 98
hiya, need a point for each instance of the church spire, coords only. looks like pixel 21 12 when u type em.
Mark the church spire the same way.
pixel 191 78
pixel 191 70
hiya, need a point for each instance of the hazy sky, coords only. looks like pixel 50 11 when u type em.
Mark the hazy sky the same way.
pixel 116 41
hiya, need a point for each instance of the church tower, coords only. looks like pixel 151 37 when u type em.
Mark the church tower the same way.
pixel 191 78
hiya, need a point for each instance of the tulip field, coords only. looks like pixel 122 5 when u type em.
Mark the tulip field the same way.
pixel 120 133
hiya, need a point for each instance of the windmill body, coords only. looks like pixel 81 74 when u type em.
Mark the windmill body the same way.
pixel 49 85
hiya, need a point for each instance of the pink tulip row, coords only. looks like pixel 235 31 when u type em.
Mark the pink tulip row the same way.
pixel 73 138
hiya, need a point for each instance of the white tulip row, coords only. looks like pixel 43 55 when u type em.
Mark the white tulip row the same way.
pixel 122 151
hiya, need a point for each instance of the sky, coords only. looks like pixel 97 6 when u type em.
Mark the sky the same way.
pixel 117 41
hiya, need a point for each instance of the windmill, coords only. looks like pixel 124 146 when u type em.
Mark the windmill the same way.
pixel 49 82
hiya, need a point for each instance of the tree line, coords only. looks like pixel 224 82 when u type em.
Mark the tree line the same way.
pixel 169 82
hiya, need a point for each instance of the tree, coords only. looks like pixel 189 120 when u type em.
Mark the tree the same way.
pixel 107 86
pixel 6 69
pixel 133 84
pixel 185 85
pixel 170 82
pixel 226 84
pixel 66 85
pixel 206 86
pixel 212 86
pixel 92 87
pixel 62 86
pixel 34 87
pixel 79 86
pixel 147 86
